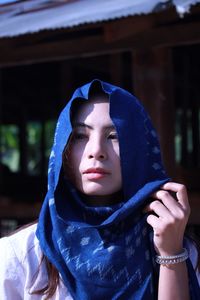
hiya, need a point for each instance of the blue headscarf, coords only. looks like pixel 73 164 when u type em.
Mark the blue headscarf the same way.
pixel 105 252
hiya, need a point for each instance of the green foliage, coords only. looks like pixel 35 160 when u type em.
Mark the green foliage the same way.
pixel 10 146
pixel 34 135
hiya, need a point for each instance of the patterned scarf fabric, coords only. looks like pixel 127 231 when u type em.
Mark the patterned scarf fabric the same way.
pixel 105 253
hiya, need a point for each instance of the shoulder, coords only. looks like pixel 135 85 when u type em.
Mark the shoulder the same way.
pixel 22 269
pixel 20 257
pixel 192 250
pixel 193 255
pixel 21 244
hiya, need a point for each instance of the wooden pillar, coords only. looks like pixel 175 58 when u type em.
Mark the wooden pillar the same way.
pixel 66 84
pixel 1 104
pixel 121 69
pixel 42 149
pixel 23 142
pixel 116 68
pixel 152 82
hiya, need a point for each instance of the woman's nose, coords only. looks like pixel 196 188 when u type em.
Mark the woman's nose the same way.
pixel 97 149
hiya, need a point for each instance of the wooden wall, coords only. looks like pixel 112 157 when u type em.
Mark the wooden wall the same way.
pixel 135 53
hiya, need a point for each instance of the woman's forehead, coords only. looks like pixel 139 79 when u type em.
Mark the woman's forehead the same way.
pixel 93 108
pixel 94 112
pixel 81 106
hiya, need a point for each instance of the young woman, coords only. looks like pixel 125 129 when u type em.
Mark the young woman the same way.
pixel 112 223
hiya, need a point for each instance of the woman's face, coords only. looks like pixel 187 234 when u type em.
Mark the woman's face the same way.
pixel 93 151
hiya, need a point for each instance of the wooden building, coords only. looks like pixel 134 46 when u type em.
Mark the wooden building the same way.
pixel 48 48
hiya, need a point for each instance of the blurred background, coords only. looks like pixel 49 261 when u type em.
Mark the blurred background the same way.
pixel 48 48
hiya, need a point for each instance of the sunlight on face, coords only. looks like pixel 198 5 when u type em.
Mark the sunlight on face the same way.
pixel 93 152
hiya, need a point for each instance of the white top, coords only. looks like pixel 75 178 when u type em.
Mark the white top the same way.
pixel 20 256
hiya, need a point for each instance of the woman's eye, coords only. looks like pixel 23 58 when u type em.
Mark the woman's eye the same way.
pixel 79 136
pixel 113 136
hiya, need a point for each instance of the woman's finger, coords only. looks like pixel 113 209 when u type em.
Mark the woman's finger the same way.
pixel 170 202
pixel 158 208
pixel 181 193
pixel 154 222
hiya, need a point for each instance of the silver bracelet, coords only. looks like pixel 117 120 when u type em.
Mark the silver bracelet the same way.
pixel 172 259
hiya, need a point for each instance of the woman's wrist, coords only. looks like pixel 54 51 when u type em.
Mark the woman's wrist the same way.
pixel 174 249
pixel 172 259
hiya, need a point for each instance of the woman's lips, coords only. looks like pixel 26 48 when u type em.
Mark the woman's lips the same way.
pixel 95 173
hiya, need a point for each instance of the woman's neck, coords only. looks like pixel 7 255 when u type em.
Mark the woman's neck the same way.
pixel 107 200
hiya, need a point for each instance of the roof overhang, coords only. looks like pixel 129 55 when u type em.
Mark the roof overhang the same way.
pixel 26 17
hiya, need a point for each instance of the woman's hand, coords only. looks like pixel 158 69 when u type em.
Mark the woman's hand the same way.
pixel 169 218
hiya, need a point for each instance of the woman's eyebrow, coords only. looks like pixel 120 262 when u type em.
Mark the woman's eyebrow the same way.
pixel 84 125
pixel 80 124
